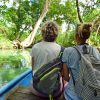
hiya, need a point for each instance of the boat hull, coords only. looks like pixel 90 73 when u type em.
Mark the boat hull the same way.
pixel 24 80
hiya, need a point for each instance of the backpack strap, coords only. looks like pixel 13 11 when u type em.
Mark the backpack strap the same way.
pixel 85 51
pixel 91 50
pixel 61 52
pixel 84 48
pixel 80 53
pixel 60 57
pixel 70 68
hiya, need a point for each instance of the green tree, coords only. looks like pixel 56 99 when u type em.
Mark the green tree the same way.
pixel 21 17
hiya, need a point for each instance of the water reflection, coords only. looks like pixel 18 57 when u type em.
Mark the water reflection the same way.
pixel 12 64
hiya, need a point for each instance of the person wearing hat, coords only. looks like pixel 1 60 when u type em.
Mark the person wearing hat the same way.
pixel 71 58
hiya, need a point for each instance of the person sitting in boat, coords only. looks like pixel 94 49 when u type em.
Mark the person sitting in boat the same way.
pixel 47 50
pixel 71 58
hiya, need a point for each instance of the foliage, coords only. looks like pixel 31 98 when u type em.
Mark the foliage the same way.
pixel 66 39
pixel 63 12
pixel 94 39
pixel 38 38
pixel 21 16
pixel 15 59
pixel 90 15
pixel 5 43
pixel 6 75
pixel 18 19
pixel 12 64
pixel 10 59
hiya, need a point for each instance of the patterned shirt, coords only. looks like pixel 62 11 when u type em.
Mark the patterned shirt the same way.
pixel 71 58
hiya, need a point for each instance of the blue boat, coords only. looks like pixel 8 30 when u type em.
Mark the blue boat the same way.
pixel 17 89
pixel 24 80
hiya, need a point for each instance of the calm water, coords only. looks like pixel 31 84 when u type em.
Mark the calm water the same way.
pixel 12 64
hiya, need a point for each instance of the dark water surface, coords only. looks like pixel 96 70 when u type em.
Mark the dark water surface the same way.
pixel 12 64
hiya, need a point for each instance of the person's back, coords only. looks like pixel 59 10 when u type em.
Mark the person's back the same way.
pixel 71 59
pixel 45 51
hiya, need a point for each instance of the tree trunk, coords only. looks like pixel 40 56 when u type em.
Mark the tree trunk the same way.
pixel 28 41
pixel 78 12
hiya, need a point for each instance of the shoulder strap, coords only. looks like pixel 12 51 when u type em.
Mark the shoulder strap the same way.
pixel 70 68
pixel 61 52
pixel 91 50
pixel 78 50
pixel 85 50
pixel 81 54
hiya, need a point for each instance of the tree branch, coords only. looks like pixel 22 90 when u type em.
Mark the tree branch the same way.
pixel 28 41
pixel 78 12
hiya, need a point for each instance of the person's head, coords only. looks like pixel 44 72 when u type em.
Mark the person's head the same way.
pixel 83 32
pixel 50 31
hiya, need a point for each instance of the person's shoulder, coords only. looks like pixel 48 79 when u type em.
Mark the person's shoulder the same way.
pixel 57 44
pixel 94 48
pixel 69 49
pixel 37 45
pixel 70 53
pixel 95 52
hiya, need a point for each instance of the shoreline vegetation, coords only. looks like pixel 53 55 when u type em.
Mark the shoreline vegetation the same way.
pixel 8 44
pixel 13 63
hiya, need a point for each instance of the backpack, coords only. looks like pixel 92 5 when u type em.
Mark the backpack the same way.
pixel 87 83
pixel 46 79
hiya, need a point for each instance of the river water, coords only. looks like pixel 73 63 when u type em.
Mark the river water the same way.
pixel 12 64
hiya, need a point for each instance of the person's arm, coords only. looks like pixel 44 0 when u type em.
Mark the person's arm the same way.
pixel 65 72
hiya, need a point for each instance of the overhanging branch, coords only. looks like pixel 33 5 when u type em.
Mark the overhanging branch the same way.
pixel 78 11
